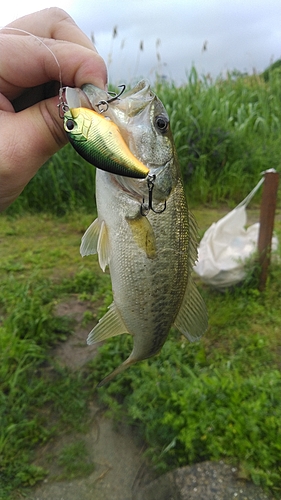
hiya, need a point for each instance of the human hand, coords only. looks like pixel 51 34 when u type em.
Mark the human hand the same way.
pixel 31 129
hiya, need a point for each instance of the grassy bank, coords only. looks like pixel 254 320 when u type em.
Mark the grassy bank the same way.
pixel 39 265
pixel 219 398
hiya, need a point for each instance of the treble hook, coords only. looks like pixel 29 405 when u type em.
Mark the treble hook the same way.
pixel 116 96
pixel 103 105
pixel 144 210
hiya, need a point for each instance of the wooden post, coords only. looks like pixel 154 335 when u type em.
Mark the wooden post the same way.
pixel 267 213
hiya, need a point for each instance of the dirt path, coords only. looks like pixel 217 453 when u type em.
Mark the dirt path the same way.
pixel 117 462
pixel 115 453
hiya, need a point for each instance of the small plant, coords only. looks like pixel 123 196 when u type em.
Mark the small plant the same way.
pixel 74 458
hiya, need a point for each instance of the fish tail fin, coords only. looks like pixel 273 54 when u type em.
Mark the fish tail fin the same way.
pixel 128 362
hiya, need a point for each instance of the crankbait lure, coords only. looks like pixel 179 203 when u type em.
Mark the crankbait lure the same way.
pixel 99 141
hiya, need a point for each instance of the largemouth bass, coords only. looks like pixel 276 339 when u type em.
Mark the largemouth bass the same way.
pixel 147 238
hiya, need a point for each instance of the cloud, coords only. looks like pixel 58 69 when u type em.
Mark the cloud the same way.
pixel 240 35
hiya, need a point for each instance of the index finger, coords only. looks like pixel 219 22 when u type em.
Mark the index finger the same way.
pixel 53 23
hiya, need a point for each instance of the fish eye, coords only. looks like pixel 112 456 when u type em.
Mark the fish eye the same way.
pixel 162 123
pixel 69 125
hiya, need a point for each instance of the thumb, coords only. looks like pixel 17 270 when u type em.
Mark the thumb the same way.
pixel 28 139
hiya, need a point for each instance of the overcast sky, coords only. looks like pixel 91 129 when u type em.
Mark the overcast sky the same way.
pixel 168 36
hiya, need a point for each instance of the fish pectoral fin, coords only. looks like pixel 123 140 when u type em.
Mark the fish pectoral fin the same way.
pixel 89 242
pixel 95 240
pixel 110 325
pixel 192 319
pixel 143 235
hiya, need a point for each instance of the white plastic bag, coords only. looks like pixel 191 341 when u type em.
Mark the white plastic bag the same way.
pixel 227 245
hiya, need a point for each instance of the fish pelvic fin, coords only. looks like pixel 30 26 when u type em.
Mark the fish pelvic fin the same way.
pixel 192 319
pixel 95 240
pixel 110 325
pixel 128 362
pixel 143 235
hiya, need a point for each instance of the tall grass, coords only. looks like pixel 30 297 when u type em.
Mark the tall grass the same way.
pixel 65 183
pixel 226 133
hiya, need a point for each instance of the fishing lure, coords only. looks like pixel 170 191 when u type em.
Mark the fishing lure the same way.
pixel 99 141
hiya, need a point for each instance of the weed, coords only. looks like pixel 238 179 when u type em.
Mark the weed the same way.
pixel 74 458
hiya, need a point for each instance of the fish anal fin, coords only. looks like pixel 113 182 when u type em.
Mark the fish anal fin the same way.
pixel 95 240
pixel 110 325
pixel 192 319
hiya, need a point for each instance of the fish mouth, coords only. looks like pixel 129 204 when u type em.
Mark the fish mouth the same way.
pixel 122 111
pixel 128 111
pixel 128 104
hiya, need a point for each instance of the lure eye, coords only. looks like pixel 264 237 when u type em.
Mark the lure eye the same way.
pixel 69 125
pixel 162 123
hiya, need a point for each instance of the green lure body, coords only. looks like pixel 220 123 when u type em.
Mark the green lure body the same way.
pixel 99 141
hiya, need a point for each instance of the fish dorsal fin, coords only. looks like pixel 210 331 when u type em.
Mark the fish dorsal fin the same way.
pixel 192 319
pixel 95 240
pixel 110 325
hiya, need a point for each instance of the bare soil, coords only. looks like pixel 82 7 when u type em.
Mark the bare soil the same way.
pixel 114 451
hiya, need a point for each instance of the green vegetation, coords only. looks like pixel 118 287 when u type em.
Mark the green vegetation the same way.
pixel 38 398
pixel 225 131
pixel 215 399
pixel 219 398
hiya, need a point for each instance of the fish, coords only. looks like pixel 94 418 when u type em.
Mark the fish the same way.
pixel 146 235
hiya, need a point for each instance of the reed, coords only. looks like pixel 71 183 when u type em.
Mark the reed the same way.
pixel 226 132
